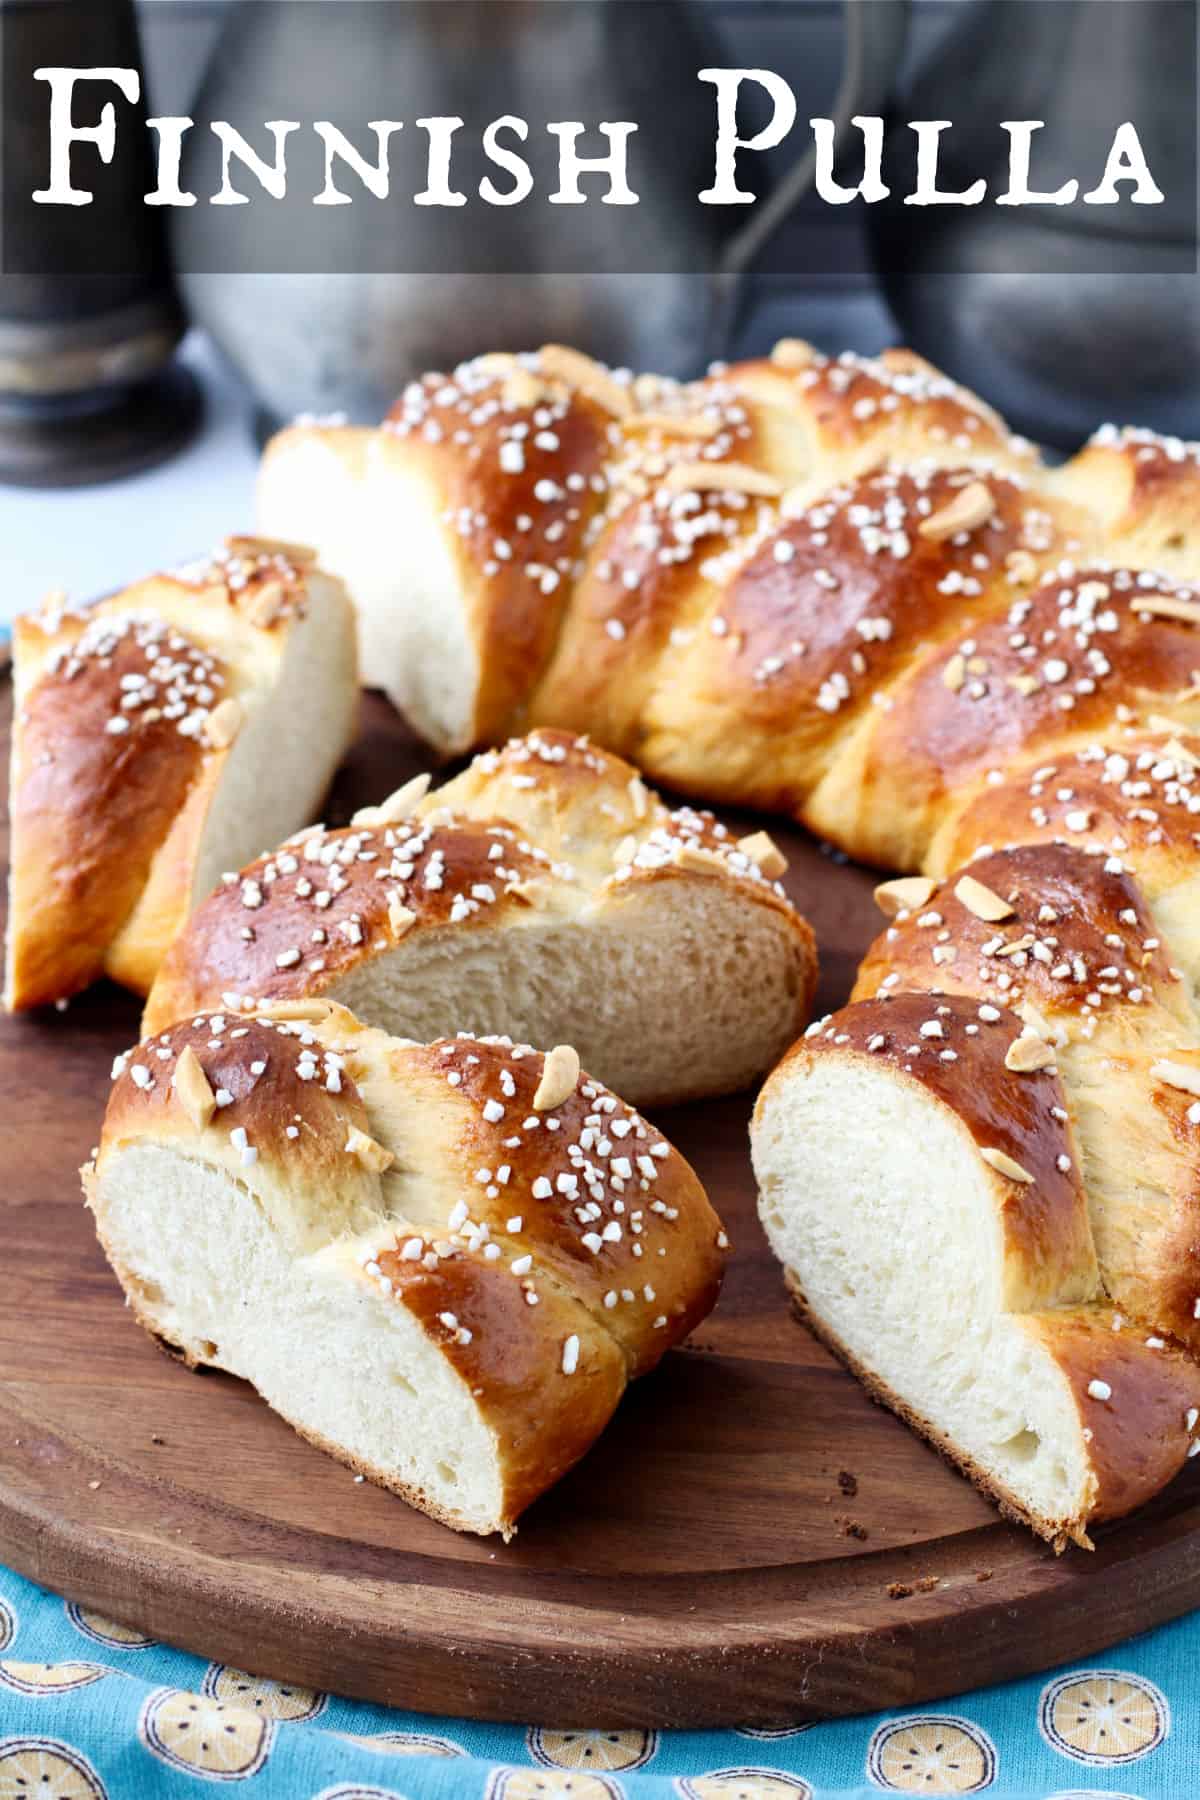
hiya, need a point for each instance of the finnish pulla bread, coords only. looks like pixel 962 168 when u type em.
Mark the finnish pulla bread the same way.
pixel 160 737
pixel 834 587
pixel 981 1178
pixel 545 894
pixel 442 1263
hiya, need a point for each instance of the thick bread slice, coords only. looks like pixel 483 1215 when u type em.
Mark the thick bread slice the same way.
pixel 926 1203
pixel 164 735
pixel 441 1263
pixel 545 894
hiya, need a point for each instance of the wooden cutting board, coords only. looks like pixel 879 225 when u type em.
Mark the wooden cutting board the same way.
pixel 751 1542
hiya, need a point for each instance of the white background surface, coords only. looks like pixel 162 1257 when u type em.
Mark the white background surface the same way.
pixel 88 540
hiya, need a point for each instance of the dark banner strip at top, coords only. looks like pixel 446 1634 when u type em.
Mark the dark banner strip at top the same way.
pixel 596 136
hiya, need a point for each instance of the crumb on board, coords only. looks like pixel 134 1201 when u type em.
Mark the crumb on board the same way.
pixel 848 1483
pixel 904 1590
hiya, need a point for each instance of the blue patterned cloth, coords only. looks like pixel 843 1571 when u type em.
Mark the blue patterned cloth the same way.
pixel 90 1710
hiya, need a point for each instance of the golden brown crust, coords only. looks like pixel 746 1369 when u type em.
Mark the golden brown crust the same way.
pixel 107 743
pixel 1133 798
pixel 808 633
pixel 956 1049
pixel 125 715
pixel 604 1204
pixel 675 506
pixel 297 921
pixel 1082 649
pixel 1145 489
pixel 517 463
pixel 285 1104
pixel 864 410
pixel 511 1355
pixel 874 708
pixel 1074 939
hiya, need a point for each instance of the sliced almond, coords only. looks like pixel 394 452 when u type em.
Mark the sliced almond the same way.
pixel 909 894
pixel 1024 684
pixel 192 1090
pixel 370 1154
pixel 223 724
pixel 639 797
pixel 560 1074
pixel 290 1009
pixel 793 353
pixel 588 377
pixel 246 544
pixel 530 892
pixel 1017 945
pixel 1177 1075
pixel 1161 606
pixel 523 390
pixel 981 900
pixel 397 806
pixel 762 849
pixel 265 604
pixel 954 674
pixel 680 425
pixel 721 477
pixel 971 507
pixel 698 859
pixel 401 918
pixel 1027 1053
pixel 1005 1165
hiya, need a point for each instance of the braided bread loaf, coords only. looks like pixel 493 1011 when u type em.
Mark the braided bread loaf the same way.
pixel 442 1263
pixel 159 738
pixel 545 894
pixel 1010 1105
pixel 836 588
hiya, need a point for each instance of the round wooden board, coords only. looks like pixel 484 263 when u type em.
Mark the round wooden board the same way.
pixel 751 1542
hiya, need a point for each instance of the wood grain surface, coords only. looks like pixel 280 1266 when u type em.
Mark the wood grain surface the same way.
pixel 751 1542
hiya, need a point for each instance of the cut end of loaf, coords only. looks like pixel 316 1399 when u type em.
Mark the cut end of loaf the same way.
pixel 897 1239
pixel 162 736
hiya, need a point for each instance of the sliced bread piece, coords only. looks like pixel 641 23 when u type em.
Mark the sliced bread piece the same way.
pixel 162 736
pixel 440 1263
pixel 926 1203
pixel 545 894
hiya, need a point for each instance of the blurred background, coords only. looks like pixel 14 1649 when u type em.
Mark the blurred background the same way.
pixel 1060 332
